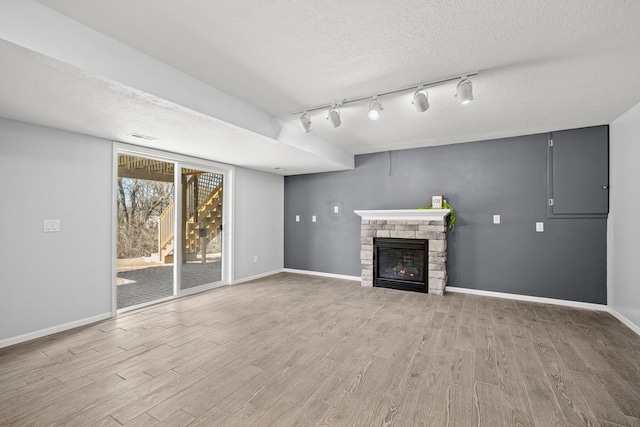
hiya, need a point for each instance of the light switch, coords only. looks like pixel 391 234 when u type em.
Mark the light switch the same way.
pixel 313 218
pixel 51 225
pixel 297 218
pixel 496 219
pixel 336 209
pixel 539 227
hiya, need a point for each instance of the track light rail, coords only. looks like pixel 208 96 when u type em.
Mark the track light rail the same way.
pixel 404 89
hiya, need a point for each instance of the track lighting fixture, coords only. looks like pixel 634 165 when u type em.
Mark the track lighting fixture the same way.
pixel 421 100
pixel 334 116
pixel 464 91
pixel 374 108
pixel 305 122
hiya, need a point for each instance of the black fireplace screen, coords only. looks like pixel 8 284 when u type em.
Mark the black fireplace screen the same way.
pixel 401 264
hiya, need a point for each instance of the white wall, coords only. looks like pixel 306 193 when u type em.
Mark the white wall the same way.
pixel 259 223
pixel 51 279
pixel 623 264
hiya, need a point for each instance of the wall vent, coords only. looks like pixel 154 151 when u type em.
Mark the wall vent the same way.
pixel 145 137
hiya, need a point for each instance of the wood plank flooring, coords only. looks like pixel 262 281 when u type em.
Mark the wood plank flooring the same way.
pixel 293 350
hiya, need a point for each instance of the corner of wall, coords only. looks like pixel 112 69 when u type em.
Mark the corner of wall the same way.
pixel 258 224
pixel 623 234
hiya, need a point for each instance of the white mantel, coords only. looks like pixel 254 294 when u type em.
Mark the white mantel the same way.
pixel 405 214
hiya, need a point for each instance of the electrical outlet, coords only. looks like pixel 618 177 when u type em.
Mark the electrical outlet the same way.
pixel 540 227
pixel 496 219
pixel 255 259
pixel 297 218
pixel 336 209
pixel 313 218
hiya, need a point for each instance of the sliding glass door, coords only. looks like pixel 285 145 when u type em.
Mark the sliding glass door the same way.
pixel 201 220
pixel 145 198
pixel 169 228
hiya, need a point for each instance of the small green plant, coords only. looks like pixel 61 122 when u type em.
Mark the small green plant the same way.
pixel 452 216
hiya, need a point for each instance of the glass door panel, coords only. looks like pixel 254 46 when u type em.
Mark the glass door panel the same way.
pixel 145 247
pixel 201 220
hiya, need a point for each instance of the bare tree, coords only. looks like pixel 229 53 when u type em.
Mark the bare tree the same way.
pixel 140 202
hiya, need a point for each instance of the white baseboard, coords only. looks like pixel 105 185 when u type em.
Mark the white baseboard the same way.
pixel 635 328
pixel 82 322
pixel 54 329
pixel 576 304
pixel 319 273
pixel 258 276
pixel 567 303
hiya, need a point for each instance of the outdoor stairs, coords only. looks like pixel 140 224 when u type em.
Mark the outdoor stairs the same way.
pixel 207 216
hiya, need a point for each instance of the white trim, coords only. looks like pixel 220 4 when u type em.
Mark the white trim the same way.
pixel 200 288
pixel 186 293
pixel 228 221
pixel 257 276
pixel 319 273
pixel 114 231
pixel 635 328
pixel 577 304
pixel 567 303
pixel 405 214
pixel 543 300
pixel 177 228
pixel 146 304
pixel 53 330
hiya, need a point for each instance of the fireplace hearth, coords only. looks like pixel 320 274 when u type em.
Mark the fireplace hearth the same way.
pixel 401 264
pixel 423 225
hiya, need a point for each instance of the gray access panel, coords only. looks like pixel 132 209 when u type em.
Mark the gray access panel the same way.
pixel 579 172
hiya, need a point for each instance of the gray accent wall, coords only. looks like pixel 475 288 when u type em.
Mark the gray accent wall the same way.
pixel 506 177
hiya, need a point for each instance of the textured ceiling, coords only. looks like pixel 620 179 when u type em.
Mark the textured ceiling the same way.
pixel 544 64
pixel 39 89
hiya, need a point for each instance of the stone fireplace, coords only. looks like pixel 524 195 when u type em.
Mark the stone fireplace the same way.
pixel 426 225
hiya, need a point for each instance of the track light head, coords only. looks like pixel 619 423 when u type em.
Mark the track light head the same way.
pixel 305 122
pixel 374 109
pixel 464 91
pixel 421 100
pixel 334 116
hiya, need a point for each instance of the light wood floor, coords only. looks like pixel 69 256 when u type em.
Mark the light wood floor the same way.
pixel 297 350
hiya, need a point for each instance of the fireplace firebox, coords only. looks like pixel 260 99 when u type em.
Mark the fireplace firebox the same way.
pixel 401 264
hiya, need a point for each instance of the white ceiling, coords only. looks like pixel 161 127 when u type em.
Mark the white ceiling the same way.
pixel 40 91
pixel 544 65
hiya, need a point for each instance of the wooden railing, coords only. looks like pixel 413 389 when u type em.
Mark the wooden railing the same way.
pixel 165 227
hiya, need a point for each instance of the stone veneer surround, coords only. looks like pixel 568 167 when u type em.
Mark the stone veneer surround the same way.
pixel 407 224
